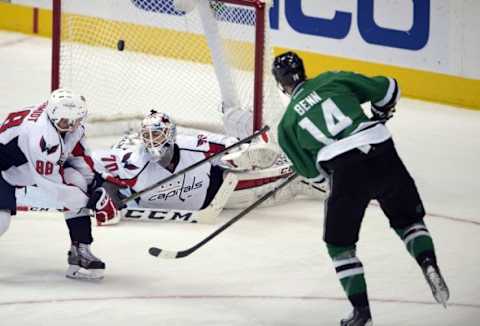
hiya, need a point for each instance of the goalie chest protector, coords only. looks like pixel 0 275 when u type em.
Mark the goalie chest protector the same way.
pixel 185 192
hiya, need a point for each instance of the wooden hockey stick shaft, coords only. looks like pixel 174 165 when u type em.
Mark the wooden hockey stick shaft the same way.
pixel 193 166
pixel 170 254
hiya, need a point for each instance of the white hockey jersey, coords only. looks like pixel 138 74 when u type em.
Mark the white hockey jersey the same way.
pixel 28 137
pixel 135 166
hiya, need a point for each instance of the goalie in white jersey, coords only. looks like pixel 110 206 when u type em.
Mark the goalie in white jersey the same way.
pixel 158 152
pixel 36 144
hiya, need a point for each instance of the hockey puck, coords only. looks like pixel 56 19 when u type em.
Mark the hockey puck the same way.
pixel 120 45
pixel 154 251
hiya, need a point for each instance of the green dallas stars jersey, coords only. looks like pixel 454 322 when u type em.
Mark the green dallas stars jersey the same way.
pixel 325 119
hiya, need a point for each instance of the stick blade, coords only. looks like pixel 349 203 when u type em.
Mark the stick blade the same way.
pixel 157 252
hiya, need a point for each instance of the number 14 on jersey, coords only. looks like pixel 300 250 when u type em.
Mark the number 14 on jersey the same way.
pixel 335 121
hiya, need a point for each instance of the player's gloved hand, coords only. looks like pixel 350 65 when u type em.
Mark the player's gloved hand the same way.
pixel 105 210
pixel 382 113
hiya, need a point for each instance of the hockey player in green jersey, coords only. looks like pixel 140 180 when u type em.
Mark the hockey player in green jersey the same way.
pixel 325 132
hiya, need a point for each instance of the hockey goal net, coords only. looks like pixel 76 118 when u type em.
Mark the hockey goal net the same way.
pixel 182 57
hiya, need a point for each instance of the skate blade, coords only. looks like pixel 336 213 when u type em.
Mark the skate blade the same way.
pixel 78 273
pixel 368 323
pixel 442 300
pixel 441 295
pixel 439 288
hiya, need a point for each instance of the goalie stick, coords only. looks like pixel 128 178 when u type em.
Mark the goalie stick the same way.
pixel 193 166
pixel 171 254
pixel 314 186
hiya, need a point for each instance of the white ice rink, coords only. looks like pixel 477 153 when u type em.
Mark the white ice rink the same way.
pixel 269 269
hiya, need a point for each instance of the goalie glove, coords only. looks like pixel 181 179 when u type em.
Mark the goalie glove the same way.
pixel 259 154
pixel 105 210
pixel 237 122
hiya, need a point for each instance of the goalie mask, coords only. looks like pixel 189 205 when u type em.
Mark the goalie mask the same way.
pixel 288 70
pixel 66 109
pixel 158 134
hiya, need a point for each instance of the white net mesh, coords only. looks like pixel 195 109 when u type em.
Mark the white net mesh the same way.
pixel 128 57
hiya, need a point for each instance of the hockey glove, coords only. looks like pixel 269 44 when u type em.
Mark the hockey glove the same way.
pixel 384 109
pixel 382 114
pixel 105 210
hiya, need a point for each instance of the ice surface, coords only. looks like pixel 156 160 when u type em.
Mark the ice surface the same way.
pixel 269 269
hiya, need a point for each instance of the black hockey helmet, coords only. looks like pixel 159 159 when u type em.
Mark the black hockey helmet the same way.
pixel 288 70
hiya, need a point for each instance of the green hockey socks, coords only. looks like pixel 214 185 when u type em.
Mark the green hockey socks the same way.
pixel 349 270
pixel 418 242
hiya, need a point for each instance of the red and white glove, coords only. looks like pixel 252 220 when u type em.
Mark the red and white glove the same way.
pixel 106 213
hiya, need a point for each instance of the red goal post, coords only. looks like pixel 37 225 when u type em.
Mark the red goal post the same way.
pixel 133 56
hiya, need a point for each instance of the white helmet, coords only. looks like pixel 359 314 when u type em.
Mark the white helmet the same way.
pixel 158 134
pixel 66 109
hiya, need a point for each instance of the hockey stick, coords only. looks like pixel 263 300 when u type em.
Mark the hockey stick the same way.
pixel 314 186
pixel 171 254
pixel 27 208
pixel 193 166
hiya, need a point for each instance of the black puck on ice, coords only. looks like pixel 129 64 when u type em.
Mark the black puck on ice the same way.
pixel 120 45
pixel 154 251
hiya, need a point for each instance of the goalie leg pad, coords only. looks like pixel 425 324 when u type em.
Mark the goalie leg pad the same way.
pixel 255 183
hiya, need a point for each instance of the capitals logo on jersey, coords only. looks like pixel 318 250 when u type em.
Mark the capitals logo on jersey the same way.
pixel 181 191
pixel 126 164
pixel 45 148
pixel 201 139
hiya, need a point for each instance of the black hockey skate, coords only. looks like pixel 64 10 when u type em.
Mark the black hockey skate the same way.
pixel 83 264
pixel 358 317
pixel 435 281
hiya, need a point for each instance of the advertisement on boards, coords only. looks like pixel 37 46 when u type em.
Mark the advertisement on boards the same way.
pixel 436 38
